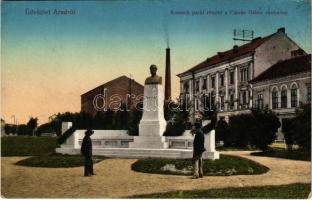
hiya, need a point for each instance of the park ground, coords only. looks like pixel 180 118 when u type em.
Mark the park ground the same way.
pixel 114 178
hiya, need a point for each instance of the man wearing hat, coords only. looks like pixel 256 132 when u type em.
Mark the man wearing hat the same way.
pixel 198 149
pixel 86 151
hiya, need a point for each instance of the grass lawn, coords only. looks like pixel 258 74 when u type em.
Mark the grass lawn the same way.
pixel 56 161
pixel 227 165
pixel 28 146
pixel 292 191
pixel 282 153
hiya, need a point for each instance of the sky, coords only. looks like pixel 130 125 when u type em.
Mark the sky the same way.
pixel 48 61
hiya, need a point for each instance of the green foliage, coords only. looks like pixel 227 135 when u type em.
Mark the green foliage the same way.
pixel 223 133
pixel 56 161
pixel 135 117
pixel 44 128
pixel 177 118
pixel 10 128
pixel 281 153
pixel 266 126
pixel 23 130
pixel 32 125
pixel 27 146
pixel 291 191
pixel 241 127
pixel 299 129
pixel 225 166
pixel 256 129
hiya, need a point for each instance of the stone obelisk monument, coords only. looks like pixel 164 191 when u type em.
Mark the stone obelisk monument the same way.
pixel 153 124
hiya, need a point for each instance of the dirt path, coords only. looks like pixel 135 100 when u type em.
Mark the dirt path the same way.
pixel 115 179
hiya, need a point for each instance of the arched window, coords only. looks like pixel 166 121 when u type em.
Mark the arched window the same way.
pixel 294 96
pixel 284 98
pixel 274 99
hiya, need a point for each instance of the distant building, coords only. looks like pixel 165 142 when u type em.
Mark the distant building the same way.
pixel 111 95
pixel 284 86
pixel 224 78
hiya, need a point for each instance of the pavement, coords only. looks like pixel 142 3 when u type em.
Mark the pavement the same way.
pixel 115 179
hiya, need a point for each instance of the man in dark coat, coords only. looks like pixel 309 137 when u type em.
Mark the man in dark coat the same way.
pixel 198 149
pixel 86 151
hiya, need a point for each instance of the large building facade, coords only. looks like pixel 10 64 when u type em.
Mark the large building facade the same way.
pixel 225 77
pixel 284 86
pixel 119 93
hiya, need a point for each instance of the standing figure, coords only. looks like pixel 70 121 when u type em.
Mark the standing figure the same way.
pixel 198 149
pixel 86 151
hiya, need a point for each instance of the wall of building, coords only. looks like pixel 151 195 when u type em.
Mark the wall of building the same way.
pixel 112 93
pixel 277 48
pixel 302 80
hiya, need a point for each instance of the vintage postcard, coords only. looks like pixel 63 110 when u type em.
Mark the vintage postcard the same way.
pixel 156 99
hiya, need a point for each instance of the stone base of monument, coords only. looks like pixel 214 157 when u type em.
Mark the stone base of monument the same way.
pixel 118 144
pixel 149 142
pixel 141 153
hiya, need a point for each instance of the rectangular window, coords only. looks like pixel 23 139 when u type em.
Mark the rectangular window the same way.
pixel 204 84
pixel 212 82
pixel 260 101
pixel 231 101
pixel 244 74
pixel 244 98
pixel 231 77
pixel 274 100
pixel 222 103
pixel 284 99
pixel 293 94
pixel 186 87
pixel 241 75
pixel 222 80
pixel 197 86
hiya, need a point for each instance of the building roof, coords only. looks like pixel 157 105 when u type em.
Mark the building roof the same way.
pixel 291 66
pixel 111 81
pixel 235 52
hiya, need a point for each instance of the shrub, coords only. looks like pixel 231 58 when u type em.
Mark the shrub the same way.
pixel 257 128
pixel 240 126
pixel 44 128
pixel 23 130
pixel 27 146
pixel 266 126
pixel 223 134
pixel 299 130
pixel 177 118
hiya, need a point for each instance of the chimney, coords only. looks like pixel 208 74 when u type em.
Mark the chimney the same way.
pixel 235 47
pixel 282 29
pixel 168 76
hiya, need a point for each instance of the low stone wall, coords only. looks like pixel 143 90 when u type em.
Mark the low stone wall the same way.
pixel 119 139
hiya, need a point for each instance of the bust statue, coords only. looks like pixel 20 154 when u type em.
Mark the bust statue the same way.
pixel 154 79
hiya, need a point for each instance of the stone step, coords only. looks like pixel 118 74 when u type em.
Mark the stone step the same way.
pixel 140 153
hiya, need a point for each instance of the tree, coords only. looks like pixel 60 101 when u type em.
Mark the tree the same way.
pixel 135 117
pixel 222 132
pixel 266 127
pixel 177 119
pixel 10 128
pixel 299 128
pixel 44 128
pixel 32 125
pixel 23 129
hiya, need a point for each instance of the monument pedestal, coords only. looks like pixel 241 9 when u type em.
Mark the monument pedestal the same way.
pixel 153 124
